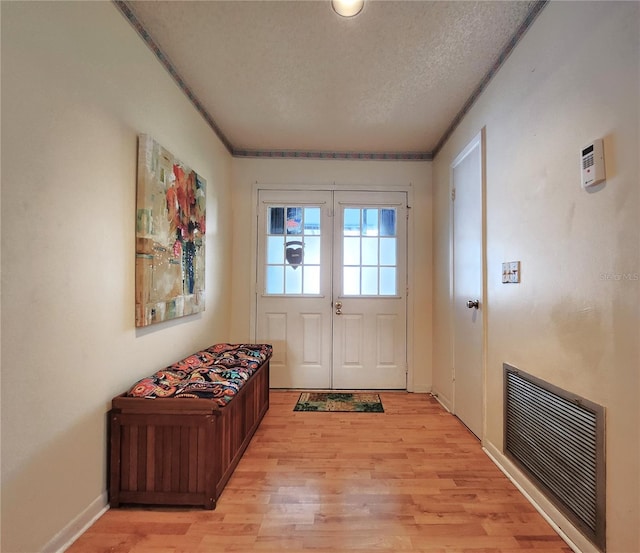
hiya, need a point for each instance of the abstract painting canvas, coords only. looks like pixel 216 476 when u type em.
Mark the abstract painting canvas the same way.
pixel 170 230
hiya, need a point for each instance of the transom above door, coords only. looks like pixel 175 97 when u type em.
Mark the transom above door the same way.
pixel 332 288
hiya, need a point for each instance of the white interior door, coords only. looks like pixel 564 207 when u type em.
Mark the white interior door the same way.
pixel 467 285
pixel 331 288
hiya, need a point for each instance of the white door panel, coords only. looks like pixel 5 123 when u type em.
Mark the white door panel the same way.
pixel 299 357
pixel 369 348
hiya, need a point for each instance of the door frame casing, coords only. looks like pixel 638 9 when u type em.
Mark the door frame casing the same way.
pixel 478 139
pixel 332 187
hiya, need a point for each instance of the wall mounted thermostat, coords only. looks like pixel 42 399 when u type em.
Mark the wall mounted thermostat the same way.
pixel 592 160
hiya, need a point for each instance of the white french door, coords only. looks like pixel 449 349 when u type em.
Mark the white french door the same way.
pixel 369 290
pixel 332 288
pixel 294 286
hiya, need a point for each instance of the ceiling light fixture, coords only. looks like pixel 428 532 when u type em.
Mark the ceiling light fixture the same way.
pixel 347 8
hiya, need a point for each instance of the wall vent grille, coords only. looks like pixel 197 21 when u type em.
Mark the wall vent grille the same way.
pixel 557 439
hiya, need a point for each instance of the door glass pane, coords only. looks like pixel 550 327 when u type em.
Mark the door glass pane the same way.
pixel 275 250
pixel 387 251
pixel 312 250
pixel 370 222
pixel 351 222
pixel 351 254
pixel 369 281
pixel 275 280
pixel 388 281
pixel 294 220
pixel 311 220
pixel 369 251
pixel 276 220
pixel 351 281
pixel 293 280
pixel 293 243
pixel 311 280
pixel 387 222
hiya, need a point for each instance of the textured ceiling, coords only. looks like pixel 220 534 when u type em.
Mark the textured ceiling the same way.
pixel 292 75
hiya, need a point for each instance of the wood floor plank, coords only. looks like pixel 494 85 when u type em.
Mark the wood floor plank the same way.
pixel 410 479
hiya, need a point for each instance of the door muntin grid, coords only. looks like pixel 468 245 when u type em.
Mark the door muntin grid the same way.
pixel 293 259
pixel 369 251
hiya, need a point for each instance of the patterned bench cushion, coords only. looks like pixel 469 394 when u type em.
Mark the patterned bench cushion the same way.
pixel 216 373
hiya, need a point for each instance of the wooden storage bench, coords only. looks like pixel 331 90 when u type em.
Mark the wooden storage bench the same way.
pixel 180 444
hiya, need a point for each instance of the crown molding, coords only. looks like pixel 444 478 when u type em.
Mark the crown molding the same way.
pixel 312 154
pixel 125 8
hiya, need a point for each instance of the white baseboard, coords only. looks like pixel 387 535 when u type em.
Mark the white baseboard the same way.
pixel 565 529
pixel 443 401
pixel 72 531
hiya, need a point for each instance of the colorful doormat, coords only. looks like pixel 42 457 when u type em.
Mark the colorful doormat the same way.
pixel 334 401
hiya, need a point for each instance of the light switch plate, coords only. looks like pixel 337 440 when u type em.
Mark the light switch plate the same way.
pixel 514 271
pixel 511 272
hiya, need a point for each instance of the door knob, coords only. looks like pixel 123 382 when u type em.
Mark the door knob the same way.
pixel 338 308
pixel 473 304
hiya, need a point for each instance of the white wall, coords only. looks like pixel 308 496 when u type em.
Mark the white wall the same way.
pixel 318 173
pixel 78 85
pixel 573 78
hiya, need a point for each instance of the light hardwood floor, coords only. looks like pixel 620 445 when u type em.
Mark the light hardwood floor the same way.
pixel 410 479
